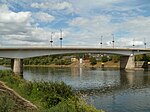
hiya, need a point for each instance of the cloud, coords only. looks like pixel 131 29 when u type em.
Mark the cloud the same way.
pixel 83 22
pixel 52 6
pixel 91 29
pixel 87 7
pixel 6 16
pixel 17 28
pixel 44 17
pixel 13 23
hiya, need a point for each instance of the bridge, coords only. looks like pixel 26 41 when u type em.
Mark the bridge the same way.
pixel 17 54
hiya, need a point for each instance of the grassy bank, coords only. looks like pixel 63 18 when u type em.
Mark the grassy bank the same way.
pixel 47 96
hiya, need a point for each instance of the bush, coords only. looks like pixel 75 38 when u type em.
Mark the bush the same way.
pixel 48 96
pixel 104 59
pixel 93 61
pixel 116 58
pixel 6 104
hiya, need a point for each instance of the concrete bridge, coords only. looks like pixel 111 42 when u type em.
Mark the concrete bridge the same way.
pixel 17 54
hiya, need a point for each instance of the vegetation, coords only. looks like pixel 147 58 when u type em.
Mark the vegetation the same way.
pixel 115 58
pixel 93 61
pixel 48 96
pixel 5 61
pixel 43 60
pixel 104 59
pixel 6 104
pixel 143 57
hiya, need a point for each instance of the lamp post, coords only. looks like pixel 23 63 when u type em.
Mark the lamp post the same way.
pixel 133 43
pixel 61 38
pixel 51 41
pixel 145 43
pixel 101 41
pixel 113 41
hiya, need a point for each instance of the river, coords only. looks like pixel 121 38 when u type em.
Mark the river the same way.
pixel 109 89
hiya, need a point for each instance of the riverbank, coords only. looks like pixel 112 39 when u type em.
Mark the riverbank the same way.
pixel 86 63
pixel 47 96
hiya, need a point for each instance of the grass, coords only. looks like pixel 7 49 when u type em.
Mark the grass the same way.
pixel 47 96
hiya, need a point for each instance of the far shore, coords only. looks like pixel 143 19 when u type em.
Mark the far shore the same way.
pixel 84 64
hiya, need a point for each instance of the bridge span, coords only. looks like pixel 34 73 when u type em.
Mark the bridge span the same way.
pixel 17 54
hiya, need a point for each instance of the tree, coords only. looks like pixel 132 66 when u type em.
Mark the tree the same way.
pixel 104 59
pixel 93 61
pixel 116 58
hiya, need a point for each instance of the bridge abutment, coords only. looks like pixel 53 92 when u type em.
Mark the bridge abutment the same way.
pixel 17 66
pixel 127 62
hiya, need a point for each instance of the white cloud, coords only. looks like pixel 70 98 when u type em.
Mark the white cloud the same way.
pixel 84 7
pixel 85 27
pixel 44 17
pixel 16 28
pixel 90 30
pixel 53 6
pixel 138 28
pixel 7 16
pixel 13 23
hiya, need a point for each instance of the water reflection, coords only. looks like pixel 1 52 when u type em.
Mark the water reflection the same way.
pixel 131 95
pixel 135 78
pixel 77 77
pixel 89 77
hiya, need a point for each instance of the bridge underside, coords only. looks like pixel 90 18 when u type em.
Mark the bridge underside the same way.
pixel 126 62
pixel 18 54
pixel 35 52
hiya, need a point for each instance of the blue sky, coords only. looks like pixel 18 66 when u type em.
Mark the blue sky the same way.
pixel 30 22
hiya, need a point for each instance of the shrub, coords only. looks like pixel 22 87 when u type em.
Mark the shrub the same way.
pixel 93 61
pixel 6 104
pixel 49 96
pixel 104 59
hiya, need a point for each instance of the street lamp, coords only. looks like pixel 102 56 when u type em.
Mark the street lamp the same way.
pixel 133 43
pixel 113 41
pixel 145 43
pixel 101 41
pixel 51 41
pixel 61 38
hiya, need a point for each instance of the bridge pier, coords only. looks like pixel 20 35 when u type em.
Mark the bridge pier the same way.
pixel 127 62
pixel 12 64
pixel 17 66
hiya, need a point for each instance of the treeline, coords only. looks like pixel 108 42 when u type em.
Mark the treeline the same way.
pixel 43 60
pixel 66 60
pixel 47 60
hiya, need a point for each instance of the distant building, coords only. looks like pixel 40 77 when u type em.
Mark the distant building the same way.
pixel 74 59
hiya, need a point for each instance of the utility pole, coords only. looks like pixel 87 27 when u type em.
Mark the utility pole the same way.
pixel 113 41
pixel 51 41
pixel 101 41
pixel 145 43
pixel 133 43
pixel 61 38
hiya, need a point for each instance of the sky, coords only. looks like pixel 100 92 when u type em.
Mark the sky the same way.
pixel 83 23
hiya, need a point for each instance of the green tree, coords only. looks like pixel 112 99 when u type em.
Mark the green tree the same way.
pixel 93 61
pixel 104 59
pixel 116 58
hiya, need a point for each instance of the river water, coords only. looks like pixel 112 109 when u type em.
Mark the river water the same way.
pixel 106 88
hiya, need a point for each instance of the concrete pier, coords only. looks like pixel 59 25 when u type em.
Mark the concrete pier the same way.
pixel 18 66
pixel 12 64
pixel 127 62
